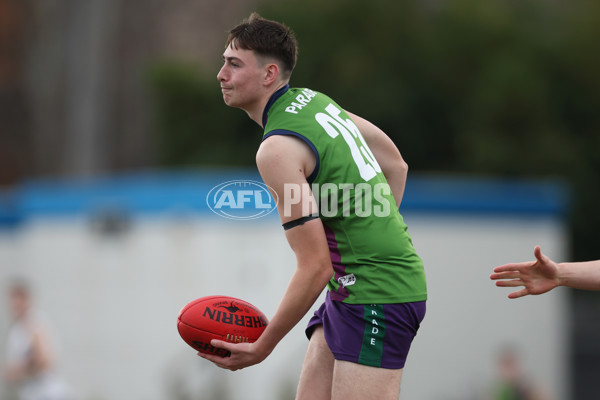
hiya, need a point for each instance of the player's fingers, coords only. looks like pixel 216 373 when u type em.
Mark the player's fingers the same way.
pixel 221 362
pixel 221 344
pixel 537 252
pixel 510 283
pixel 209 357
pixel 518 293
pixel 541 257
pixel 212 358
pixel 512 267
pixel 505 275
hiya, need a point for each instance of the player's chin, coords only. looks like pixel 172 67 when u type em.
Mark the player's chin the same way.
pixel 228 98
pixel 230 101
pixel 234 104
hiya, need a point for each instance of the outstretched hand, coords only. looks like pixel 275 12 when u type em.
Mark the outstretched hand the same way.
pixel 537 277
pixel 242 355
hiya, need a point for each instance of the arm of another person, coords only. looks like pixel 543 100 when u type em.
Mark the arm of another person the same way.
pixel 41 357
pixel 38 358
pixel 543 275
pixel 283 162
pixel 387 155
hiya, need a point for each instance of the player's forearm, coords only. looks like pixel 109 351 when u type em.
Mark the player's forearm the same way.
pixel 303 290
pixel 580 275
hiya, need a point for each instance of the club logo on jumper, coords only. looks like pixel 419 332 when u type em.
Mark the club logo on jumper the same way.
pixel 347 280
pixel 241 200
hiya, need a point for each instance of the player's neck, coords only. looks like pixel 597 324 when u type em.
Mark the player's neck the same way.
pixel 256 112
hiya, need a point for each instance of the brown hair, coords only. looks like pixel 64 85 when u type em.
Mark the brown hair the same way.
pixel 266 38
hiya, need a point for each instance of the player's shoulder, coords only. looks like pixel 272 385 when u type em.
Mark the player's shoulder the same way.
pixel 280 147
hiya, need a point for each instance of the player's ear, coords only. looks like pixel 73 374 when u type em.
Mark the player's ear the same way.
pixel 271 73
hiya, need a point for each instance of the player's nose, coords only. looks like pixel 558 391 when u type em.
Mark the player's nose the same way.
pixel 221 74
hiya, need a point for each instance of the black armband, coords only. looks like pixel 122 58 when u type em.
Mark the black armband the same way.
pixel 300 221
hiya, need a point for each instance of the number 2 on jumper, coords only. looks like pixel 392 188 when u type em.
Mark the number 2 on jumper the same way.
pixel 334 125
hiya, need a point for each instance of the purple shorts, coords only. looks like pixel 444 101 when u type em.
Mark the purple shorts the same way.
pixel 378 335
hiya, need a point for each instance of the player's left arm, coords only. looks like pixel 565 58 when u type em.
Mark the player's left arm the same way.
pixel 387 155
pixel 284 162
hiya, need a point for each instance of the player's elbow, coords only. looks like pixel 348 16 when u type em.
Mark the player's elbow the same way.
pixel 397 169
pixel 320 269
pixel 325 272
pixel 403 166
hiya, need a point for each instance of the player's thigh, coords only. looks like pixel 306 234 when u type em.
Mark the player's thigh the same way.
pixel 353 381
pixel 317 369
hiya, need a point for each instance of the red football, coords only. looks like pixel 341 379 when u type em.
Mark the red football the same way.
pixel 219 317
